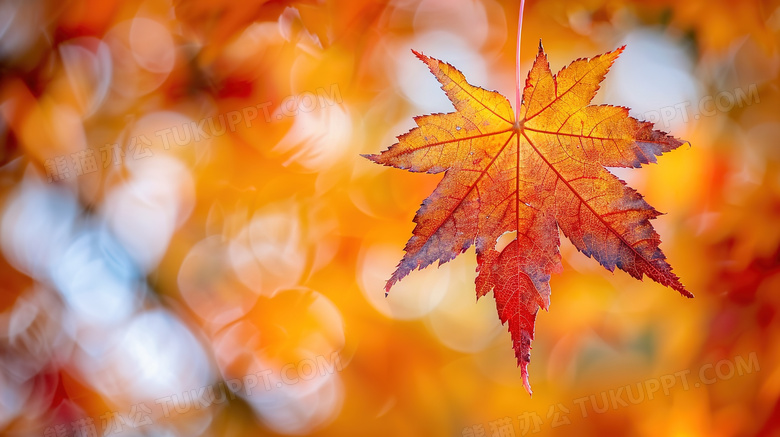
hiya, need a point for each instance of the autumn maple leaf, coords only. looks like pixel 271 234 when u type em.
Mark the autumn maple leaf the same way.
pixel 531 175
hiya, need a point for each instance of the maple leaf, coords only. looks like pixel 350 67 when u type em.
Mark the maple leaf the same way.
pixel 531 175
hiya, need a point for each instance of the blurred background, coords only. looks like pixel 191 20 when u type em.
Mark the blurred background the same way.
pixel 191 244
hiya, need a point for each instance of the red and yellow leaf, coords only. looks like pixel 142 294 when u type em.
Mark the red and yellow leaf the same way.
pixel 532 177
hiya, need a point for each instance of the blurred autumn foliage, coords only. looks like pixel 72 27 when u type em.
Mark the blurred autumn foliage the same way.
pixel 191 244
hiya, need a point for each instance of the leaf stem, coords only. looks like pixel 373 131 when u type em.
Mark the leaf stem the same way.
pixel 517 61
